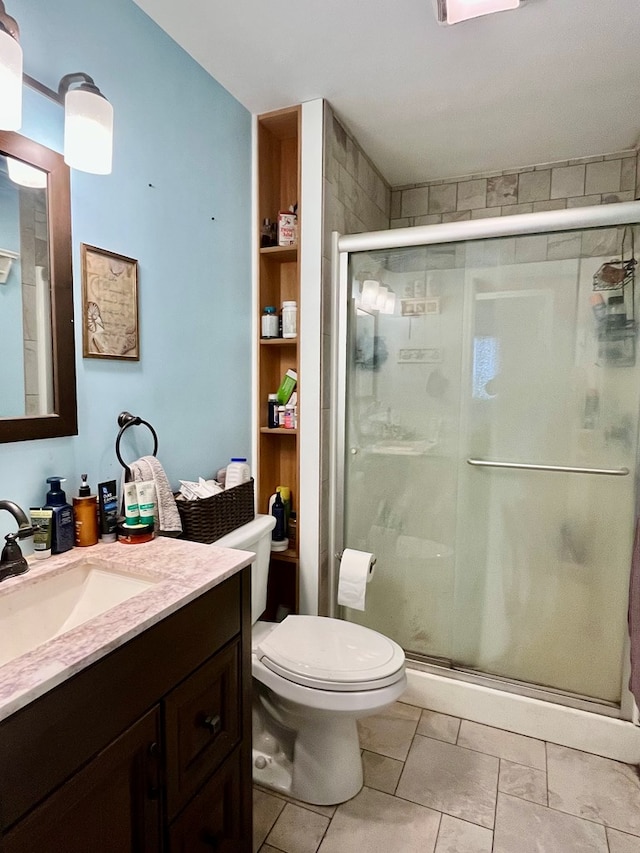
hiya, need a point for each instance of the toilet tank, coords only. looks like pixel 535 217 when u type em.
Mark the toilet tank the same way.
pixel 254 536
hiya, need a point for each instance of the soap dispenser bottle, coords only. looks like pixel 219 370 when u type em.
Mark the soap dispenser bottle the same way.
pixel 85 512
pixel 62 528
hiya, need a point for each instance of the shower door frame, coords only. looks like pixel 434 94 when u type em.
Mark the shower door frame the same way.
pixel 622 213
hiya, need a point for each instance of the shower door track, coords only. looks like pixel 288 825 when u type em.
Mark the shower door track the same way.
pixel 447 669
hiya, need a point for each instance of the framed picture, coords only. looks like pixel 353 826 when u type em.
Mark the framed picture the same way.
pixel 109 305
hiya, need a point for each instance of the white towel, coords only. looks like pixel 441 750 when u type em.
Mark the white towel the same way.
pixel 167 517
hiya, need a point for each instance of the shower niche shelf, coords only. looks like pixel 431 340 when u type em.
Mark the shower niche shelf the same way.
pixel 278 179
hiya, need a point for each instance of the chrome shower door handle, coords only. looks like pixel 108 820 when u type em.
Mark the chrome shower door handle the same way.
pixel 562 469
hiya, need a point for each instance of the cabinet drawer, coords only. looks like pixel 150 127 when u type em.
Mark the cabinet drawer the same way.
pixel 213 819
pixel 203 724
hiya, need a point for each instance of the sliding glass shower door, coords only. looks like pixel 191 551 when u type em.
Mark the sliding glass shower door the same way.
pixel 490 452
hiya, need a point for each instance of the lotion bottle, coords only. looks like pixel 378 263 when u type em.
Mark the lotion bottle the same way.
pixel 62 528
pixel 85 512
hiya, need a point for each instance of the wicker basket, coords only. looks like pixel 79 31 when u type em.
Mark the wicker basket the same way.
pixel 208 519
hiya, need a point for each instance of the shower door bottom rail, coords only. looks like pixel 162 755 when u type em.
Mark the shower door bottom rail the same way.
pixel 447 669
pixel 532 466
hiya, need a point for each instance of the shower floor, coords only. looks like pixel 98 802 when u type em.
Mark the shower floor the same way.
pixel 439 784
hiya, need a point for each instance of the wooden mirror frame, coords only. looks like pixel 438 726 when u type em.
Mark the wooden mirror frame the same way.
pixel 64 420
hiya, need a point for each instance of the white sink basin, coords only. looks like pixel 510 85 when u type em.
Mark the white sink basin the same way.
pixel 34 613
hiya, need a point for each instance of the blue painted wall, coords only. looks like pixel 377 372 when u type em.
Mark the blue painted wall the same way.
pixel 178 200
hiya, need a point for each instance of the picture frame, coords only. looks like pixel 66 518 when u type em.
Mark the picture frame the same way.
pixel 109 305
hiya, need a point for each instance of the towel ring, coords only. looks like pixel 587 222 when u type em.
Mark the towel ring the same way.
pixel 125 420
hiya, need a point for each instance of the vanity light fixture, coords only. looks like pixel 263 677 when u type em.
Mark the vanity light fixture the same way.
pixel 88 125
pixel 454 11
pixel 26 175
pixel 88 115
pixel 10 72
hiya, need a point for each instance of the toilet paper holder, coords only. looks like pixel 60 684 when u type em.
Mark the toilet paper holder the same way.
pixel 338 556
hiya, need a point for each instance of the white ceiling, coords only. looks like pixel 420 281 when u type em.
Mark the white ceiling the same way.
pixel 553 80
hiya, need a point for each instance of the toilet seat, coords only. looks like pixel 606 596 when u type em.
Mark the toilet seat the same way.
pixel 330 654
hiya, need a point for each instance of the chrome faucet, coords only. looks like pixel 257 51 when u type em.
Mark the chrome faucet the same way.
pixel 12 561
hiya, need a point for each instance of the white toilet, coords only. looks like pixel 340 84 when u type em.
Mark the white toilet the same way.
pixel 313 677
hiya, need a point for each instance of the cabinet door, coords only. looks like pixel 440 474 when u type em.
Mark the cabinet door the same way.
pixel 213 820
pixel 202 724
pixel 111 805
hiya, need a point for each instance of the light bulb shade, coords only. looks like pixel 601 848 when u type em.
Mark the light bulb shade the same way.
pixel 454 11
pixel 10 82
pixel 88 132
pixel 381 299
pixel 370 289
pixel 390 303
pixel 26 175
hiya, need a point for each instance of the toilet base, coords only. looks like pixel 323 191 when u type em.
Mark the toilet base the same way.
pixel 326 767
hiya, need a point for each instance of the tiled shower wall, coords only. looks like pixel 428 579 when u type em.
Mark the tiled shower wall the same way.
pixel 34 253
pixel 356 198
pixel 548 186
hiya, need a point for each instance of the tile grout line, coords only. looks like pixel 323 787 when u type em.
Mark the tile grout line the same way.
pixel 435 846
pixel 324 834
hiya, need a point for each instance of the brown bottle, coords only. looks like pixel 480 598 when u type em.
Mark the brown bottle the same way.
pixel 85 511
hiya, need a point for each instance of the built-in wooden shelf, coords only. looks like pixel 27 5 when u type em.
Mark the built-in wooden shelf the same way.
pixel 278 269
pixel 280 254
pixel 288 556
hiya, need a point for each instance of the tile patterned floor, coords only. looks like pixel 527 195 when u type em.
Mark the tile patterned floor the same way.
pixel 437 784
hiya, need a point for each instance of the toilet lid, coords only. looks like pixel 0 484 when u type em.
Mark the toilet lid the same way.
pixel 332 654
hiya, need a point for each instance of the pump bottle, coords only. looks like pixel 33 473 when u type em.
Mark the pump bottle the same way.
pixel 85 512
pixel 62 527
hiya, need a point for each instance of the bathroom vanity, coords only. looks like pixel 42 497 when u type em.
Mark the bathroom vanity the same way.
pixel 132 730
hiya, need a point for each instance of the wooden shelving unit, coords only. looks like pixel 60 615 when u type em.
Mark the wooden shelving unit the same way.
pixel 278 461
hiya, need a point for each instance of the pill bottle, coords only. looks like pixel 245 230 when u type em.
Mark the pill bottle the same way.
pixel 270 327
pixel 272 416
pixel 289 319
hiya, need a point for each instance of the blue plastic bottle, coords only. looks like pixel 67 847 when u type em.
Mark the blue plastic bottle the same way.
pixel 62 526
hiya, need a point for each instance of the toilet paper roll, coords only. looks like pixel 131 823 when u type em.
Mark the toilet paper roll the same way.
pixel 356 570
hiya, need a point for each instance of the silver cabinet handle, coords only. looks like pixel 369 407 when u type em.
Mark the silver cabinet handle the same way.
pixel 564 469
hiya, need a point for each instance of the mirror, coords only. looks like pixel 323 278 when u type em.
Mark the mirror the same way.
pixel 38 384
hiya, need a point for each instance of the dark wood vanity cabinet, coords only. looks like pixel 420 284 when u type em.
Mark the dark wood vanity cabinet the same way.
pixel 146 751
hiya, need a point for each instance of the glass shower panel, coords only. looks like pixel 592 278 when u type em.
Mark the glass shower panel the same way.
pixel 544 555
pixel 465 361
pixel 401 466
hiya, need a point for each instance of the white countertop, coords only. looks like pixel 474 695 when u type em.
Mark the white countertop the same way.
pixel 181 571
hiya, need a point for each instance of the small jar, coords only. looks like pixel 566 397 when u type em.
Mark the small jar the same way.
pixel 288 417
pixel 269 322
pixel 272 417
pixel 289 319
pixel 281 416
pixel 266 234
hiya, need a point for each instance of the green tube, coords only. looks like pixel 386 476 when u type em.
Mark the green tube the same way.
pixel 41 521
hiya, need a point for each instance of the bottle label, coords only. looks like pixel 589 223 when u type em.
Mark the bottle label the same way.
pixel 287 229
pixel 270 326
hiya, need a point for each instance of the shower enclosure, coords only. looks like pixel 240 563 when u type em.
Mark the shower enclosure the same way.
pixel 487 399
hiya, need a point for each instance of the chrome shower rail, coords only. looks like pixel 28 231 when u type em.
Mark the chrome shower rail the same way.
pixel 564 469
